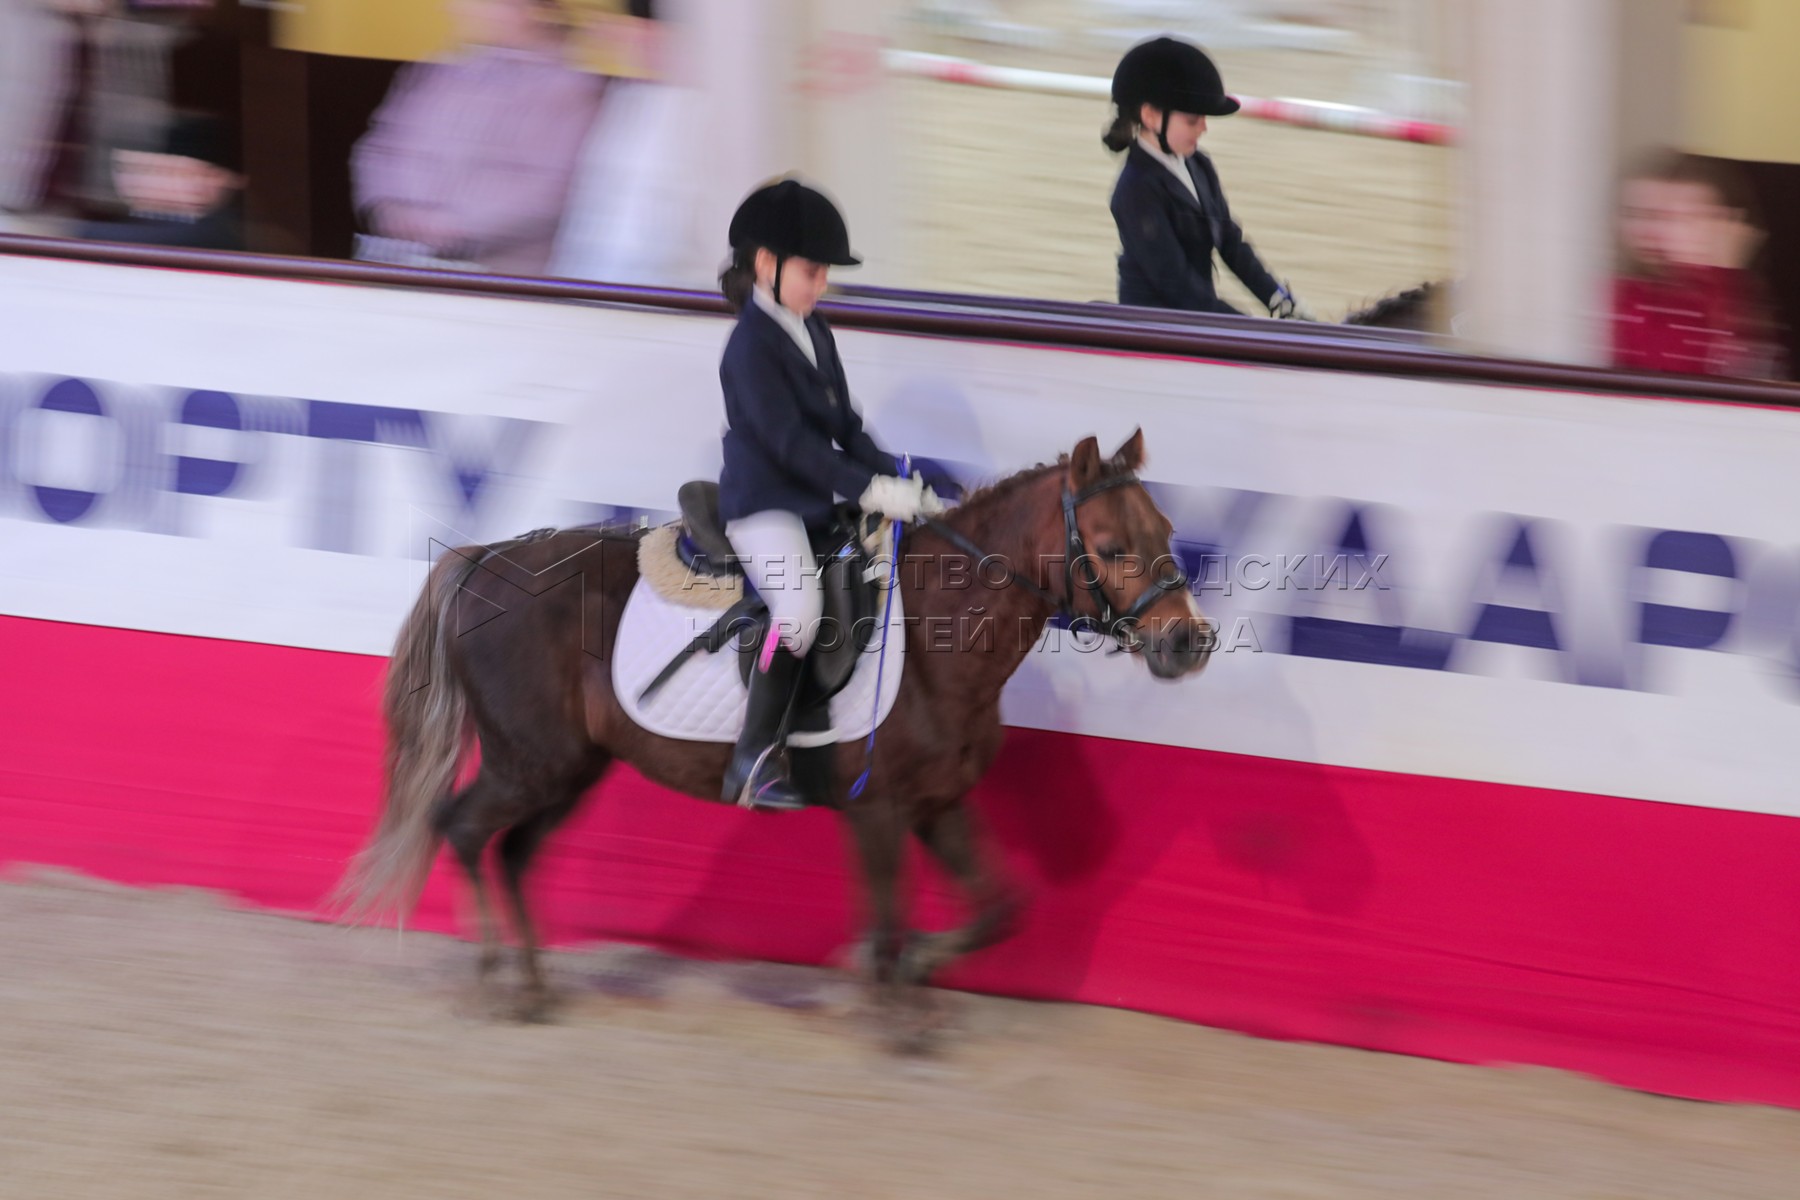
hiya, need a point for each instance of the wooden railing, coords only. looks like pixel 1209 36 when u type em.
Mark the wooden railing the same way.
pixel 1095 326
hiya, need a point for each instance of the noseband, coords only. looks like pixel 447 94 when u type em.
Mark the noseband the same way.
pixel 1080 570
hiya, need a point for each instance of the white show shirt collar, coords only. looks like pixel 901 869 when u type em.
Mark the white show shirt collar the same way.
pixel 789 320
pixel 1147 140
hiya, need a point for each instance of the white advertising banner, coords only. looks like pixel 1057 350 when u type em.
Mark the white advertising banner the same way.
pixel 1537 588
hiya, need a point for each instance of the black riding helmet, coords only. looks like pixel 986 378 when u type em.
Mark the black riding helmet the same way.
pixel 791 220
pixel 1173 75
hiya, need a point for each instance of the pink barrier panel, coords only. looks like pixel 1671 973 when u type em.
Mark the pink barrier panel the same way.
pixel 1651 944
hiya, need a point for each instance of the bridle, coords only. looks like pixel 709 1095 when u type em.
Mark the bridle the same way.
pixel 1080 570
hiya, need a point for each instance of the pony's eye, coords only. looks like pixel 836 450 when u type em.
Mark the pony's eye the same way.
pixel 1112 553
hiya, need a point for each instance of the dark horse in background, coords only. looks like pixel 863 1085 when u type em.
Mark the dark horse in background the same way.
pixel 534 689
pixel 1423 309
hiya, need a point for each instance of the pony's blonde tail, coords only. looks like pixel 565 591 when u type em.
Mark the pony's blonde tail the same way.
pixel 426 715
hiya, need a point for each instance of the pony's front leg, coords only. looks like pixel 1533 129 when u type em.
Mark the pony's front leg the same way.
pixel 950 837
pixel 879 835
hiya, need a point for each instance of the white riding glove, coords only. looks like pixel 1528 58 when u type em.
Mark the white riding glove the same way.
pixel 929 504
pixel 899 499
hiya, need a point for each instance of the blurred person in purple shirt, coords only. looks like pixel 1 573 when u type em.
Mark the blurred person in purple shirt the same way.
pixel 470 160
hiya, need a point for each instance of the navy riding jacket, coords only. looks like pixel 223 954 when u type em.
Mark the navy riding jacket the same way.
pixel 794 441
pixel 1169 238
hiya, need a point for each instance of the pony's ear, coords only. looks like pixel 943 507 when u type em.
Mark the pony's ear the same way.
pixel 1130 456
pixel 1084 464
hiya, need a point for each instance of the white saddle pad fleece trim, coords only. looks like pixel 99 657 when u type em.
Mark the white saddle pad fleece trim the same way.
pixel 704 700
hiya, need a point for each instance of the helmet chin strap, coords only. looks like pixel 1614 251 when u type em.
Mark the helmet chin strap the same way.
pixel 1162 133
pixel 780 261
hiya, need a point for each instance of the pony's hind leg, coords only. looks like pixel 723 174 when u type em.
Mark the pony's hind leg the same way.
pixel 518 846
pixel 468 821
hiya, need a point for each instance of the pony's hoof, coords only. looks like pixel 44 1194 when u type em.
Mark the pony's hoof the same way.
pixel 535 1007
pixel 916 1029
pixel 912 1043
pixel 858 958
pixel 920 959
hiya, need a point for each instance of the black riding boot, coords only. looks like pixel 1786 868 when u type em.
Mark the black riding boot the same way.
pixel 756 766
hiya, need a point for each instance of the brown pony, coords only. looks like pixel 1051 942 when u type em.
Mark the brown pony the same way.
pixel 513 644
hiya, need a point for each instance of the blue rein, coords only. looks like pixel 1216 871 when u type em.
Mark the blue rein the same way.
pixel 887 609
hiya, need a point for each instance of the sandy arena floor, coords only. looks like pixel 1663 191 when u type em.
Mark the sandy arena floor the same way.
pixel 159 1047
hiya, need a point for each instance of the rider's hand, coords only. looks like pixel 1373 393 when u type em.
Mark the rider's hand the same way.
pixel 891 496
pixel 937 478
pixel 1284 307
pixel 929 504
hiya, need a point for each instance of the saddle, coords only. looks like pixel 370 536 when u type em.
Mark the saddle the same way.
pixel 854 591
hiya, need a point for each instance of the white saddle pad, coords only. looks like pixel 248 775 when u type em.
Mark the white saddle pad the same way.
pixel 704 700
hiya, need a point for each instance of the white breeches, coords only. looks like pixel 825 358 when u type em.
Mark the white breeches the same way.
pixel 778 558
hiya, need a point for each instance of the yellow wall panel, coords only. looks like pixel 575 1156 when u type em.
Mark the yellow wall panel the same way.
pixel 407 30
pixel 391 29
pixel 1742 82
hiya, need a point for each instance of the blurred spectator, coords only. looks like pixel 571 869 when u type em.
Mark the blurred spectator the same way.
pixel 184 193
pixel 1686 299
pixel 470 160
pixel 37 76
pixel 129 45
pixel 78 80
pixel 633 211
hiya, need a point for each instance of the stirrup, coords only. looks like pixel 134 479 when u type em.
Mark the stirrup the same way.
pixel 747 798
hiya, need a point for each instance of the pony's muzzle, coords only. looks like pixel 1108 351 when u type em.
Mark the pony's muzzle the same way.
pixel 1179 646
